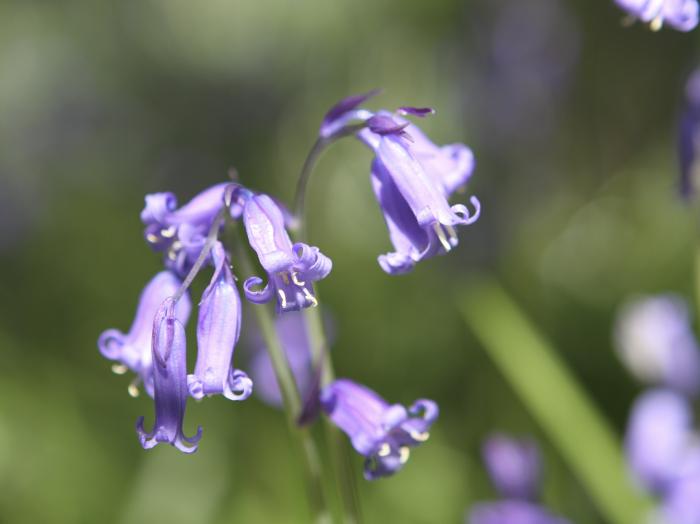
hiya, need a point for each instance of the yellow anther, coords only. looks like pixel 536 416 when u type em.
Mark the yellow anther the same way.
pixel 169 232
pixel 384 450
pixel 441 236
pixel 133 390
pixel 420 436
pixel 657 23
pixel 310 297
pixel 404 454
pixel 285 278
pixel 283 298
pixel 296 280
pixel 152 238
pixel 119 369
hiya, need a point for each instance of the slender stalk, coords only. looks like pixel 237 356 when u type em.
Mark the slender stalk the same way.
pixel 290 399
pixel 321 358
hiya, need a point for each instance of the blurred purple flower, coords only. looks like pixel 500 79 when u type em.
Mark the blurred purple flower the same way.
pixel 689 137
pixel 181 232
pixel 291 269
pixel 512 512
pixel 659 440
pixel 514 466
pixel 218 329
pixel 170 384
pixel 291 330
pixel 679 14
pixel 654 339
pixel 133 350
pixel 412 180
pixel 381 432
pixel 680 503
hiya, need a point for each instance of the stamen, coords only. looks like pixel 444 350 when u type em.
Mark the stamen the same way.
pixel 452 233
pixel 419 436
pixel 169 232
pixel 384 450
pixel 283 297
pixel 172 252
pixel 133 388
pixel 310 297
pixel 285 278
pixel 152 238
pixel 657 23
pixel 404 454
pixel 296 280
pixel 441 236
pixel 119 369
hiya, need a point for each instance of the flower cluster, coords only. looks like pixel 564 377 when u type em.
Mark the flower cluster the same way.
pixel 655 341
pixel 679 14
pixel 413 180
pixel 515 470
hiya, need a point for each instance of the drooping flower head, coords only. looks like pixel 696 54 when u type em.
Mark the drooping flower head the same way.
pixel 218 329
pixel 291 268
pixel 181 232
pixel 689 137
pixel 659 440
pixel 655 341
pixel 170 384
pixel 132 350
pixel 294 339
pixel 383 433
pixel 514 466
pixel 512 512
pixel 679 14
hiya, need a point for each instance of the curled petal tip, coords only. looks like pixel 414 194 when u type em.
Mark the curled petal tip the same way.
pixel 462 211
pixel 239 386
pixel 416 111
pixel 110 343
pixel 195 387
pixel 257 296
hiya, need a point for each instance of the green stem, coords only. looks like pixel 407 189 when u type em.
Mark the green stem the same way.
pixel 555 398
pixel 290 399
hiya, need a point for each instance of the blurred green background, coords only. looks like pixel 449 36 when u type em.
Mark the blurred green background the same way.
pixel 572 120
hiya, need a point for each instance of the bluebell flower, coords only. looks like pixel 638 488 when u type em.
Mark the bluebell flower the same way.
pixel 132 350
pixel 412 179
pixel 689 137
pixel 512 512
pixel 218 330
pixel 383 433
pixel 170 384
pixel 180 233
pixel 679 14
pixel 293 337
pixel 654 339
pixel 513 465
pixel 291 268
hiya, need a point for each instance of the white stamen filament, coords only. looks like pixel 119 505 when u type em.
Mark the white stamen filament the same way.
pixel 310 297
pixel 441 236
pixel 296 280
pixel 283 297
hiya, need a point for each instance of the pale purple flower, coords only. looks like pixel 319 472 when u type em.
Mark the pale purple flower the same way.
pixel 513 465
pixel 679 14
pixel 181 232
pixel 383 433
pixel 680 502
pixel 689 137
pixel 294 339
pixel 412 180
pixel 132 350
pixel 659 439
pixel 654 339
pixel 291 268
pixel 218 329
pixel 170 384
pixel 512 512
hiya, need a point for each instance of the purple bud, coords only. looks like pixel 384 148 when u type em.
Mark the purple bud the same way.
pixel 679 14
pixel 416 111
pixel 512 512
pixel 655 340
pixel 291 269
pixel 386 125
pixel 218 329
pixel 514 466
pixel 345 111
pixel 170 382
pixel 659 438
pixel 133 349
pixel 381 432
